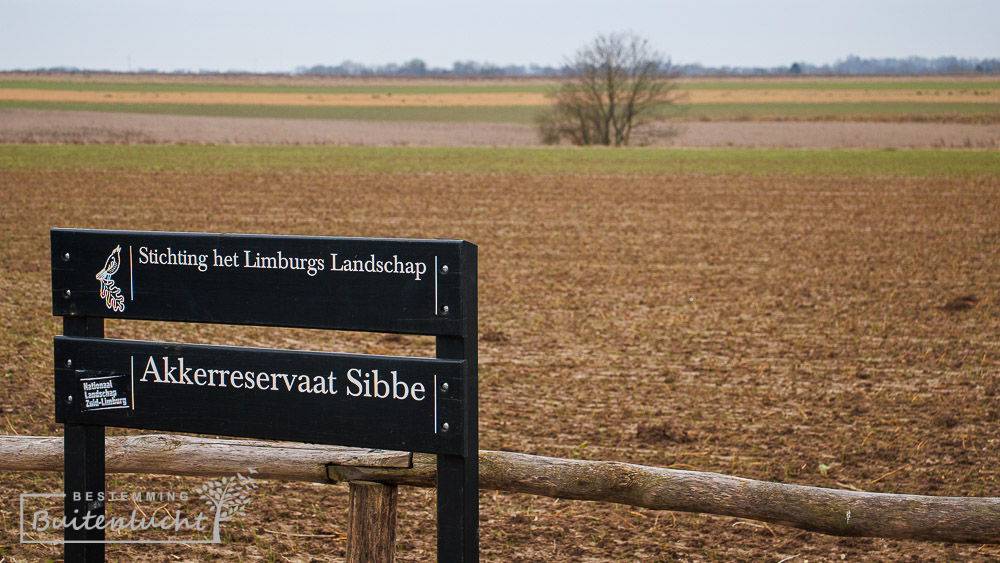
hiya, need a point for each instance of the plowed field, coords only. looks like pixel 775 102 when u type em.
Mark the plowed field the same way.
pixel 89 127
pixel 951 99
pixel 791 328
pixel 479 99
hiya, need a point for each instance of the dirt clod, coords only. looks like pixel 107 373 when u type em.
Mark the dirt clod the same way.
pixel 662 433
pixel 961 303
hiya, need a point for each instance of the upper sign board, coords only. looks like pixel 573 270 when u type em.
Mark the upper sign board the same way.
pixel 378 285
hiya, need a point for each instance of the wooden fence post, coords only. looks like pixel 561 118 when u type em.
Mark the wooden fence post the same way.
pixel 371 524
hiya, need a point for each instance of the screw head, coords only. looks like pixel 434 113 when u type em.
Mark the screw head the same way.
pixel 67 293
pixel 69 399
pixel 445 386
pixel 69 363
pixel 66 257
pixel 444 269
pixel 445 309
pixel 445 426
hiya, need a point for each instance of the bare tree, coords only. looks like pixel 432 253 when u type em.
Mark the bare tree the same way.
pixel 612 87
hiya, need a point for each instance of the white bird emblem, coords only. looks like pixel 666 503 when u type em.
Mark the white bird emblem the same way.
pixel 113 297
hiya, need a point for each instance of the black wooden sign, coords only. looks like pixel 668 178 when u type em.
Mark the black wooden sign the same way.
pixel 379 285
pixel 411 404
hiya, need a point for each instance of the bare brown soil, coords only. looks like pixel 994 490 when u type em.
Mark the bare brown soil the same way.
pixel 789 329
pixel 832 134
pixel 45 126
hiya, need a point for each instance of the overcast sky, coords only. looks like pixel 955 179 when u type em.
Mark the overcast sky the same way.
pixel 279 35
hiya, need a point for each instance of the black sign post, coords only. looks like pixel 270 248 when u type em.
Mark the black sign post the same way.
pixel 379 285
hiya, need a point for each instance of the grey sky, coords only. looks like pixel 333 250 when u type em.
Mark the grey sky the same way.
pixel 258 35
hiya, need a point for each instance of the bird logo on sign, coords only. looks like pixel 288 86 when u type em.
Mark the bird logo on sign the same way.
pixel 110 292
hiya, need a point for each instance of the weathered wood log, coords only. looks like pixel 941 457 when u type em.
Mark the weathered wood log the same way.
pixel 371 526
pixel 169 454
pixel 828 511
pixel 833 512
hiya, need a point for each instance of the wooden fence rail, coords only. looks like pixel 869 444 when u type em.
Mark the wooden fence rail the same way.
pixel 828 511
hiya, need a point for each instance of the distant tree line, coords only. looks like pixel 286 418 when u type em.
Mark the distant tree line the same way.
pixel 853 64
pixel 417 67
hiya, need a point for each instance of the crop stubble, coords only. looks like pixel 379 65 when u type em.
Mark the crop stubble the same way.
pixel 756 326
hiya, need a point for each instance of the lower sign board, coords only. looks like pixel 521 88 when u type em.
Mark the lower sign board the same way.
pixel 411 404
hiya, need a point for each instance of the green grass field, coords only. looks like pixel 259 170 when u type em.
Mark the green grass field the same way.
pixel 930 86
pixel 489 114
pixel 841 84
pixel 368 88
pixel 398 160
